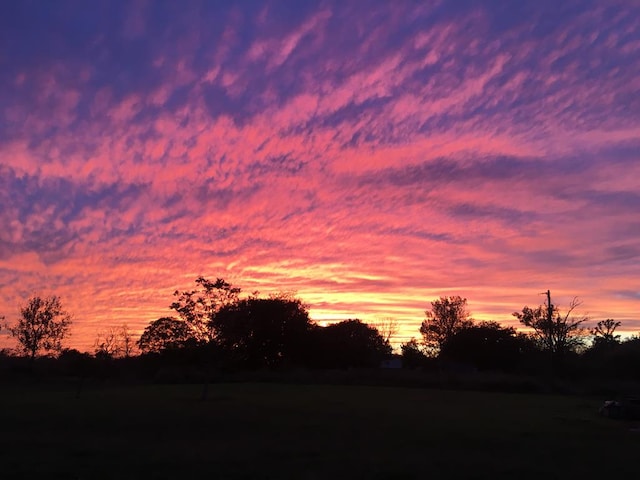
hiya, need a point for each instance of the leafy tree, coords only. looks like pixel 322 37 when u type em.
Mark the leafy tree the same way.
pixel 602 357
pixel 557 333
pixel 448 316
pixel 198 307
pixel 623 361
pixel 263 332
pixel 604 333
pixel 350 343
pixel 166 333
pixel 412 354
pixel 487 346
pixel 42 327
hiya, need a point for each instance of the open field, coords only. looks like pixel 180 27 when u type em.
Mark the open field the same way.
pixel 302 431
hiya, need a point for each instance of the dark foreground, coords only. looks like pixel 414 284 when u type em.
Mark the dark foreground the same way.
pixel 297 431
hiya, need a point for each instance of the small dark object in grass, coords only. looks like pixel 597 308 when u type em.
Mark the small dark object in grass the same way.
pixel 625 409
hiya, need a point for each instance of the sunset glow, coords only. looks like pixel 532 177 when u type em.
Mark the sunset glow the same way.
pixel 370 156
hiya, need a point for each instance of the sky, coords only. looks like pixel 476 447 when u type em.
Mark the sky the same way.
pixel 371 156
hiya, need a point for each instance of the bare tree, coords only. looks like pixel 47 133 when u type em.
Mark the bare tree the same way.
pixel 448 315
pixel 42 326
pixel 114 342
pixel 387 328
pixel 128 343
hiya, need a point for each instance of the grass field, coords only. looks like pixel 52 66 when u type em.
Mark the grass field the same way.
pixel 300 431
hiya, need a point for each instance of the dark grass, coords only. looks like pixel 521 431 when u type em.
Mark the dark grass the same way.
pixel 303 431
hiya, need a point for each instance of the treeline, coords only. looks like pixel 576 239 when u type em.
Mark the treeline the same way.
pixel 556 342
pixel 215 329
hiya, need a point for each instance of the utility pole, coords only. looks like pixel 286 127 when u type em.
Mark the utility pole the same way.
pixel 550 333
pixel 549 316
pixel 549 307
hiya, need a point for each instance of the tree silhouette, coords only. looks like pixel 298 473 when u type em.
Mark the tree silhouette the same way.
pixel 42 326
pixel 557 333
pixel 487 346
pixel 448 316
pixel 412 354
pixel 604 355
pixel 387 328
pixel 350 343
pixel 623 361
pixel 604 333
pixel 166 333
pixel 263 332
pixel 114 342
pixel 198 307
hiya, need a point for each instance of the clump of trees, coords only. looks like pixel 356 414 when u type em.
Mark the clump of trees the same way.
pixel 487 346
pixel 214 327
pixel 553 340
pixel 350 343
pixel 452 337
pixel 255 332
